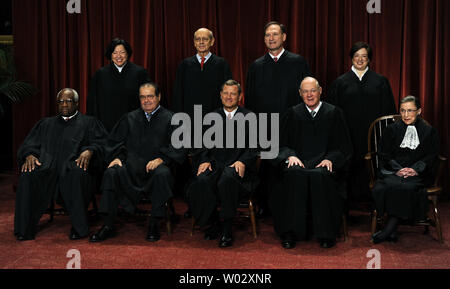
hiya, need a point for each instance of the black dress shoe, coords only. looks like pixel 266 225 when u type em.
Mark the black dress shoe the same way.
pixel 73 235
pixel 378 237
pixel 188 214
pixel 327 243
pixel 288 244
pixel 23 238
pixel 104 233
pixel 225 241
pixel 153 232
pixel 212 232
pixel 288 241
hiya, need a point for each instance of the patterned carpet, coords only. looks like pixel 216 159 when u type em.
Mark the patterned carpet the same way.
pixel 130 250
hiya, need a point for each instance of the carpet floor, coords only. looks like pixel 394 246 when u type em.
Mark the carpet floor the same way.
pixel 130 250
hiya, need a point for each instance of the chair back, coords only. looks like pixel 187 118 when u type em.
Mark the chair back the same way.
pixel 374 136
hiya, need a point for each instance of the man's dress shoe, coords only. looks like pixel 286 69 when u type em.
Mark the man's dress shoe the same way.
pixel 104 233
pixel 327 243
pixel 73 235
pixel 288 241
pixel 153 232
pixel 226 241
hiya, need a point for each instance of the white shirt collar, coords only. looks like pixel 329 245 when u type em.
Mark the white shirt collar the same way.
pixel 199 58
pixel 316 109
pixel 69 117
pixel 232 112
pixel 153 112
pixel 279 54
pixel 356 72
pixel 120 67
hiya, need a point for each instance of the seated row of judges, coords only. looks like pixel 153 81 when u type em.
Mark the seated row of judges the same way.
pixel 62 154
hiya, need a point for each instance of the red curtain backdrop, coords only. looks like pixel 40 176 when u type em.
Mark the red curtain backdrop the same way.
pixel 55 49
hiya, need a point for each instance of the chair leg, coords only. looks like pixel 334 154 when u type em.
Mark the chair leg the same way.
pixel 374 221
pixel 252 217
pixel 344 226
pixel 168 225
pixel 437 220
pixel 192 226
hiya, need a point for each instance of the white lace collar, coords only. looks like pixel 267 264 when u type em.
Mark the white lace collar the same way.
pixel 411 138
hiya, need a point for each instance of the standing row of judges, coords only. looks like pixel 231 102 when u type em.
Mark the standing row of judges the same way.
pixel 273 85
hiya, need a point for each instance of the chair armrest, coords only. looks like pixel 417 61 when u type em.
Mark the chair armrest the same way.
pixel 440 170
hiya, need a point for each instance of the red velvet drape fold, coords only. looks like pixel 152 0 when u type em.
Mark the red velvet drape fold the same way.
pixel 54 49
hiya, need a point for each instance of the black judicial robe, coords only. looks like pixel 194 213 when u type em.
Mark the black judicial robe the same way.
pixel 57 144
pixel 405 198
pixel 112 94
pixel 136 141
pixel 273 86
pixel 223 185
pixel 362 103
pixel 311 140
pixel 195 86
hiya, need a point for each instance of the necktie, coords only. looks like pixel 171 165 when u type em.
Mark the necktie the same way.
pixel 229 115
pixel 313 113
pixel 148 116
pixel 203 62
pixel 275 59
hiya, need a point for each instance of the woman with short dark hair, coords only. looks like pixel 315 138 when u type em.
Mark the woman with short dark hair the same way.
pixel 114 89
pixel 363 95
pixel 407 152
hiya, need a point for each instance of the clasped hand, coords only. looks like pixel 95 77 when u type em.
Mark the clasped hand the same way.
pixel 407 172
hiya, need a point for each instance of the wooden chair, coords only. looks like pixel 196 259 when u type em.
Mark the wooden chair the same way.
pixel 142 211
pixel 246 207
pixel 372 163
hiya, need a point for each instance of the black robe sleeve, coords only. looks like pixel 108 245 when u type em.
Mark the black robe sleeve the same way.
pixel 32 143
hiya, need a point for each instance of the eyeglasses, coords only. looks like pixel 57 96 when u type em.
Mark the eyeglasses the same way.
pixel 151 96
pixel 61 101
pixel 308 91
pixel 408 111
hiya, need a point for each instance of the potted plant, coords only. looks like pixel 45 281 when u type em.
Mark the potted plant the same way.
pixel 11 89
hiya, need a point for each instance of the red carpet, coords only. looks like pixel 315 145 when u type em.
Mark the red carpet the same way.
pixel 181 251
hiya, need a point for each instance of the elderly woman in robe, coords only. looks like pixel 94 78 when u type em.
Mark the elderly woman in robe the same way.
pixel 407 152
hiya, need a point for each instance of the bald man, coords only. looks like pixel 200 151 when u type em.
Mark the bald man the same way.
pixel 198 81
pixel 200 77
pixel 315 149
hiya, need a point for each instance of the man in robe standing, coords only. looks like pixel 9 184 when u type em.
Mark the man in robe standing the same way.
pixel 139 154
pixel 272 87
pixel 57 159
pixel 198 82
pixel 315 150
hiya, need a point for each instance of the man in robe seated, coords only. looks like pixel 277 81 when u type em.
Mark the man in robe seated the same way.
pixel 139 154
pixel 314 151
pixel 224 175
pixel 56 160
